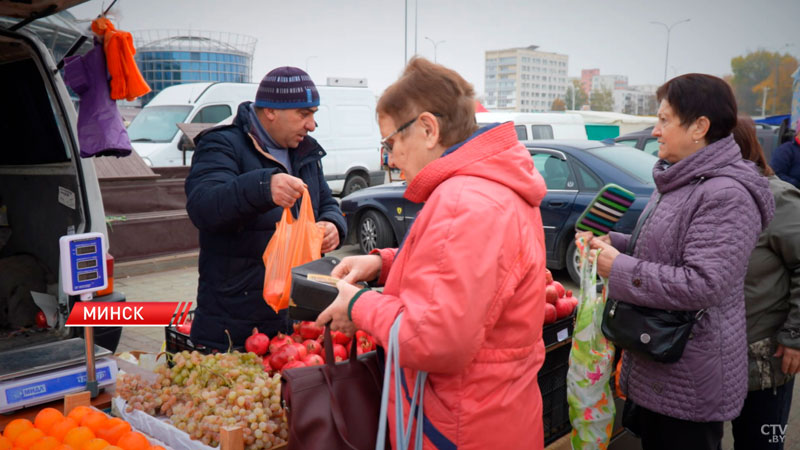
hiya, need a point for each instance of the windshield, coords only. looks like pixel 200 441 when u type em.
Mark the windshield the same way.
pixel 631 160
pixel 157 123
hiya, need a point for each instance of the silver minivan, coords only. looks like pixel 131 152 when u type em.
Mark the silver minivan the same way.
pixel 46 189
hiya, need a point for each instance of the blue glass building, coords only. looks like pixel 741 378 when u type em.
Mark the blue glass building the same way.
pixel 170 57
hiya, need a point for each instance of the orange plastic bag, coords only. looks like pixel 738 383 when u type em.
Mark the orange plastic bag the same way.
pixel 295 242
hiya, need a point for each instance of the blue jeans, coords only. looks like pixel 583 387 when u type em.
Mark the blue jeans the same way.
pixel 762 423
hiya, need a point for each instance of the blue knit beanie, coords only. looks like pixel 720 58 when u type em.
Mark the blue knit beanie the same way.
pixel 287 88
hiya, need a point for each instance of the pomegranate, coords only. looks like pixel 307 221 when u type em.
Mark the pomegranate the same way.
pixel 297 338
pixel 278 341
pixel 313 360
pixel 339 352
pixel 292 365
pixel 265 363
pixel 365 342
pixel 549 313
pixel 313 347
pixel 284 355
pixel 548 276
pixel 310 331
pixel 185 327
pixel 301 350
pixel 574 300
pixel 563 308
pixel 550 294
pixel 340 338
pixel 559 288
pixel 257 343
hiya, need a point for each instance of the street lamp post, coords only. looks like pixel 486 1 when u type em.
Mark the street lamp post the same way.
pixel 669 29
pixel 435 45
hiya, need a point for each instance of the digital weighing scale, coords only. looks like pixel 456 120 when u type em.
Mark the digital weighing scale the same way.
pixel 47 372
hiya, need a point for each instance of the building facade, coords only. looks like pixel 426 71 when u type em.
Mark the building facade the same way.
pixel 524 79
pixel 636 100
pixel 170 57
pixel 587 75
pixel 609 82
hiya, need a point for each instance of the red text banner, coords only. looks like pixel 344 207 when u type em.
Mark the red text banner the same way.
pixel 97 314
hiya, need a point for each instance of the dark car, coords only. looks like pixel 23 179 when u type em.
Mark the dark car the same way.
pixel 573 170
pixel 644 140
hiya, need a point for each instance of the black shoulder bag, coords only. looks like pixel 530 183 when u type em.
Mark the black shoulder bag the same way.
pixel 658 334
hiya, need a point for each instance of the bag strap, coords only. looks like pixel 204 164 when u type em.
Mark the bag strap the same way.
pixel 416 410
pixel 336 411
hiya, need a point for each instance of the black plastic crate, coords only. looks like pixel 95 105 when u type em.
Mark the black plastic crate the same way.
pixel 177 341
pixel 558 331
pixel 553 385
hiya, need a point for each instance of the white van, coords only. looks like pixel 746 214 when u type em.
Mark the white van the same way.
pixel 531 126
pixel 346 128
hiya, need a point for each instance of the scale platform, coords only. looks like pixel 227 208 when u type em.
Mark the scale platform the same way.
pixel 46 372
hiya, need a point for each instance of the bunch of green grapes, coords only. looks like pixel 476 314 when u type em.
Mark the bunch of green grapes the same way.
pixel 203 393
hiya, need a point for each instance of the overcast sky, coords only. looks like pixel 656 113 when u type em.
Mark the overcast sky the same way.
pixel 365 38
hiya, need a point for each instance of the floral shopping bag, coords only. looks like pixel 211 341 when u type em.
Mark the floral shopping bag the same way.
pixel 591 362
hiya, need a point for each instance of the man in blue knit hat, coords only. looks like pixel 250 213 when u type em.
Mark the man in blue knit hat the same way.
pixel 241 178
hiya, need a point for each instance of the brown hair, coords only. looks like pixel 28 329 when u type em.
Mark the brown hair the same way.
pixel 695 95
pixel 425 86
pixel 744 133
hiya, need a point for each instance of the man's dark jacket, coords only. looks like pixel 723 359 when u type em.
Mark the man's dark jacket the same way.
pixel 228 199
pixel 786 162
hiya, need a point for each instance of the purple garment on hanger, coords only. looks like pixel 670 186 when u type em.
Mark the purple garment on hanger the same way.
pixel 101 131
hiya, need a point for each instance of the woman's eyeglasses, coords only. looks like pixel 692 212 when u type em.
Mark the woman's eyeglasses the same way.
pixel 386 146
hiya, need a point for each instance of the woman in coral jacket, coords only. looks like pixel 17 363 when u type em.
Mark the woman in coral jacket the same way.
pixel 469 275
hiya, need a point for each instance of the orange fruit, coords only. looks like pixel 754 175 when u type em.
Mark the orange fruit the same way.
pixel 93 420
pixel 45 443
pixel 64 447
pixel 78 412
pixel 28 437
pixel 157 447
pixel 112 447
pixel 16 427
pixel 133 440
pixel 60 429
pixel 46 418
pixel 76 437
pixel 95 444
pixel 5 443
pixel 116 430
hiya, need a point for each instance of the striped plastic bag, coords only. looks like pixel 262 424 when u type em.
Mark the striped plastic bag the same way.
pixel 591 362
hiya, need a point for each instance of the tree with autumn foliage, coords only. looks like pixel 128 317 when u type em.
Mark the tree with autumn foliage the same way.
pixel 558 105
pixel 760 70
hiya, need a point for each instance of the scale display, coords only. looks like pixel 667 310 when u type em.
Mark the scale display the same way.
pixel 83 268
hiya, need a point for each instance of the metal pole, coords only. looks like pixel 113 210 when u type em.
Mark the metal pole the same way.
pixel 405 32
pixel 435 46
pixel 416 9
pixel 669 31
pixel 764 102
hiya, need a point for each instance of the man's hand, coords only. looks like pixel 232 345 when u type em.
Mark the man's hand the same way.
pixel 353 269
pixel 285 189
pixel 330 239
pixel 790 363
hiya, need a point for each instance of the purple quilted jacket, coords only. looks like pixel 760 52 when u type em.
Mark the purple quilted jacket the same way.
pixel 692 253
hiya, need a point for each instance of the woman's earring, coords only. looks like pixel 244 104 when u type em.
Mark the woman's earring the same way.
pixel 696 142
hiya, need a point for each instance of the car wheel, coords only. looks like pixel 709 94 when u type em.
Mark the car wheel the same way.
pixel 573 260
pixel 354 183
pixel 374 232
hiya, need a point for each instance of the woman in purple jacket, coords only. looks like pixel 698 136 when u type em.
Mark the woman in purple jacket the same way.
pixel 694 240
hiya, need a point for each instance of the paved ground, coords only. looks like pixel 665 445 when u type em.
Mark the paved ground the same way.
pixel 175 279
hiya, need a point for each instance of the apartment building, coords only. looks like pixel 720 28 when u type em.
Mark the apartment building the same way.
pixel 524 79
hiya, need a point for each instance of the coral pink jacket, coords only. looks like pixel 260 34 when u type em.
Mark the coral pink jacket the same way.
pixel 470 279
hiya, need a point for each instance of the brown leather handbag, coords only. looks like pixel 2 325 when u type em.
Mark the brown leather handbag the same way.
pixel 334 405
